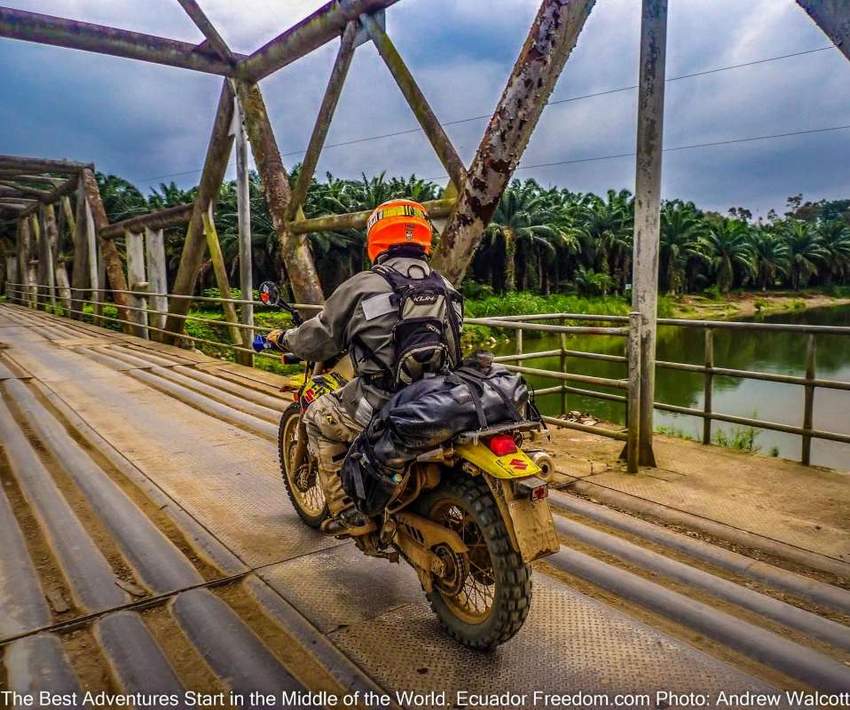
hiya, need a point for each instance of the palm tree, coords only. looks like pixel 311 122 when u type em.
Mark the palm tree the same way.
pixel 805 252
pixel 770 256
pixel 834 235
pixel 682 227
pixel 604 229
pixel 121 199
pixel 726 245
pixel 524 216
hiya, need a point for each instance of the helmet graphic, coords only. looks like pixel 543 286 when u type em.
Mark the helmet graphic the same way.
pixel 397 222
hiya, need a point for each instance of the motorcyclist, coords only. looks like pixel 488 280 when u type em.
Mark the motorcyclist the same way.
pixel 359 318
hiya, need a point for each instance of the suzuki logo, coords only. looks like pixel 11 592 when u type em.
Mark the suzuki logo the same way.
pixel 518 464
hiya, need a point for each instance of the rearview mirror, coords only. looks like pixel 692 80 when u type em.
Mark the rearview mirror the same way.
pixel 269 293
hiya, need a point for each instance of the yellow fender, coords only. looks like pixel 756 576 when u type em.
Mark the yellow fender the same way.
pixel 516 465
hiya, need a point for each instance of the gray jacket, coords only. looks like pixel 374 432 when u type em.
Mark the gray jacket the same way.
pixel 356 317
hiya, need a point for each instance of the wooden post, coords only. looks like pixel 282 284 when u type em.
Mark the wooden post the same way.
pixel 101 279
pixel 109 252
pixel 243 213
pixel 708 386
pixel 33 266
pixel 50 238
pixel 63 287
pixel 221 277
pixel 809 400
pixel 24 241
pixel 650 135
pixel 136 280
pixel 157 279
pixel 94 270
pixel 634 393
pixel 70 218
pixel 79 266
pixel 11 278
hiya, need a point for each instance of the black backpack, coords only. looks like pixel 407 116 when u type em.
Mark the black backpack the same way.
pixel 427 335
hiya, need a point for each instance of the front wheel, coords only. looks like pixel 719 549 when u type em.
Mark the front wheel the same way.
pixel 484 597
pixel 300 477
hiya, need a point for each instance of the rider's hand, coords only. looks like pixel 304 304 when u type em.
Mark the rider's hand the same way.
pixel 275 337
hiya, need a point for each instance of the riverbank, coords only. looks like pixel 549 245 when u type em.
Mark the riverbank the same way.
pixel 749 304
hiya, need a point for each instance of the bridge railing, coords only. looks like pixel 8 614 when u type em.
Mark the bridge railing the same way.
pixel 809 380
pixel 565 325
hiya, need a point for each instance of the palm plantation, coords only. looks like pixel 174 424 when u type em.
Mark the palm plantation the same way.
pixel 543 240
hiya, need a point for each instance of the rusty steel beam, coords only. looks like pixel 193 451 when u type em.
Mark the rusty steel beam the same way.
pixel 202 22
pixel 323 119
pixel 549 43
pixel 833 17
pixel 437 209
pixel 416 100
pixel 108 250
pixel 294 249
pixel 73 34
pixel 161 219
pixel 195 244
pixel 39 165
pixel 322 26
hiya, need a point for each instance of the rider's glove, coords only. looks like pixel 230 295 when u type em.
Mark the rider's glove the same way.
pixel 275 337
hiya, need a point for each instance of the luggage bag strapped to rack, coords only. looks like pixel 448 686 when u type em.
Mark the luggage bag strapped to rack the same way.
pixel 423 416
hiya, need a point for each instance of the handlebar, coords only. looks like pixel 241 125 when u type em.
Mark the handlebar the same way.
pixel 262 343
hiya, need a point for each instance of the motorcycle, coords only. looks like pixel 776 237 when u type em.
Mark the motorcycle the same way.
pixel 469 516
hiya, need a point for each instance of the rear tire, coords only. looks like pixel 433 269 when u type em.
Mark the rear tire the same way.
pixel 498 571
pixel 308 500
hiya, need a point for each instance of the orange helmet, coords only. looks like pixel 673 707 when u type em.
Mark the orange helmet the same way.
pixel 397 222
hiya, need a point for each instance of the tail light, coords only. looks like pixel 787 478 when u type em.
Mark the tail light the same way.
pixel 502 444
pixel 533 488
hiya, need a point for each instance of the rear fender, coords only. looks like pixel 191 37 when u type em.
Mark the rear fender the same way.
pixel 529 523
pixel 516 465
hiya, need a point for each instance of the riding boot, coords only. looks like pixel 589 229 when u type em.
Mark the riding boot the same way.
pixel 345 518
pixel 335 496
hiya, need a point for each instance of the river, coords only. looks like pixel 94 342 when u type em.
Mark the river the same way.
pixel 782 353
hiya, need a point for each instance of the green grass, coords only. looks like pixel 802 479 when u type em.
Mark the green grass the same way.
pixel 674 432
pixel 739 439
pixel 524 303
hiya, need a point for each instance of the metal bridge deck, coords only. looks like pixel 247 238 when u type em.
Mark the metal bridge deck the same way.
pixel 146 544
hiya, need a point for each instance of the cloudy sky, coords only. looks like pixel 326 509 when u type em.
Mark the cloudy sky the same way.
pixel 150 124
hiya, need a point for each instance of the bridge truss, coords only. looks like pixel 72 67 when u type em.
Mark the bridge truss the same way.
pixel 37 192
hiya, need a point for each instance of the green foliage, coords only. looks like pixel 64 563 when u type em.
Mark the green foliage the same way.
pixel 674 432
pixel 740 439
pixel 541 239
pixel 523 302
